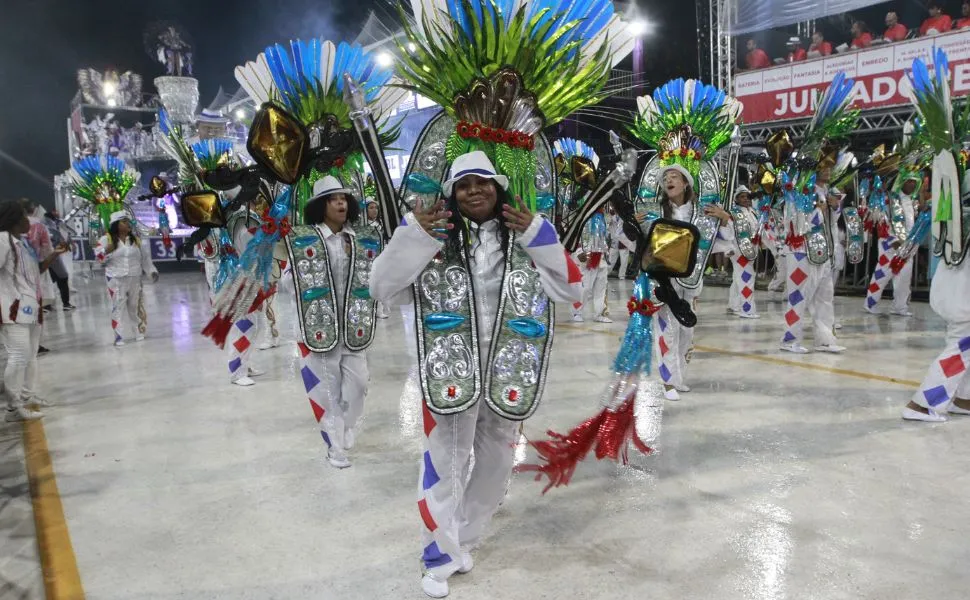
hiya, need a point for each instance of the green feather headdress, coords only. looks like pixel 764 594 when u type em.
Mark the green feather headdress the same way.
pixel 104 181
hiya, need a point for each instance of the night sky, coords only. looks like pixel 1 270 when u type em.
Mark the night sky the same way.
pixel 44 42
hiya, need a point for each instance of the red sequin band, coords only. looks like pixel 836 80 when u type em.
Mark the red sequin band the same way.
pixel 515 139
pixel 644 307
pixel 271 225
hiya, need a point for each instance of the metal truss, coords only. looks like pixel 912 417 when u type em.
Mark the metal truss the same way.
pixel 715 48
pixel 876 121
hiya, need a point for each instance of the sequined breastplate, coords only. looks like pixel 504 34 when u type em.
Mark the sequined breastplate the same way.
pixel 320 328
pixel 744 233
pixel 448 351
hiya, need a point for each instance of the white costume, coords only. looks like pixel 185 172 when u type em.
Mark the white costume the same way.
pixel 123 268
pixel 741 295
pixel 883 274
pixel 595 269
pixel 20 317
pixel 621 246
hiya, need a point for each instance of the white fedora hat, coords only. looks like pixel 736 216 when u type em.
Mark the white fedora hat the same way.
pixel 741 189
pixel 118 216
pixel 680 169
pixel 473 163
pixel 327 185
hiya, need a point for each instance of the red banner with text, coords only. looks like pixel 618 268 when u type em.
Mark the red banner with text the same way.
pixel 880 74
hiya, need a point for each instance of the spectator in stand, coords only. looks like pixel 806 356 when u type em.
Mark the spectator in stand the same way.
pixel 820 45
pixel 964 21
pixel 756 57
pixel 861 38
pixel 895 31
pixel 795 51
pixel 938 22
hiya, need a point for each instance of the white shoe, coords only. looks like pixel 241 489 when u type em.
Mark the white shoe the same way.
pixel 914 415
pixel 434 587
pixel 749 315
pixel 350 438
pixel 837 325
pixel 794 348
pixel 119 343
pixel 603 319
pixel 830 348
pixel 38 401
pixel 383 315
pixel 901 312
pixel 244 381
pixel 140 337
pixel 255 372
pixel 871 311
pixel 337 458
pixel 956 410
pixel 671 394
pixel 467 563
pixel 22 414
pixel 683 389
pixel 578 319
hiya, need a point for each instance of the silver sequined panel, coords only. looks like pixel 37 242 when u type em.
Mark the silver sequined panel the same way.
pixel 428 158
pixel 315 297
pixel 521 344
pixel 854 235
pixel 710 186
pixel 361 308
pixel 743 234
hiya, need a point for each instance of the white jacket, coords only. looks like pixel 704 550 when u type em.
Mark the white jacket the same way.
pixel 127 260
pixel 411 249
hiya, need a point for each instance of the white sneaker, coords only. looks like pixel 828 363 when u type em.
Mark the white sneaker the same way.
pixel 119 343
pixel 914 415
pixel 794 348
pixel 956 410
pixel 140 337
pixel 603 319
pixel 434 587
pixel 22 414
pixel 671 394
pixel 901 312
pixel 578 319
pixel 830 348
pixel 38 401
pixel 749 315
pixel 244 381
pixel 350 438
pixel 837 325
pixel 337 458
pixel 683 389
pixel 467 563
pixel 255 372
pixel 871 311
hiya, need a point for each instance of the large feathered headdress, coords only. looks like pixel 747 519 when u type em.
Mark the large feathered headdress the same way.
pixel 104 181
pixel 505 69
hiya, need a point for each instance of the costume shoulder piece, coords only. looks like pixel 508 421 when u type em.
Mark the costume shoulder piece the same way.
pixel 686 122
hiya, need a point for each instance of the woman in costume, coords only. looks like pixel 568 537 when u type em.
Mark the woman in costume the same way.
pixel 592 257
pixel 302 89
pixel 811 209
pixel 681 183
pixel 125 258
pixel 483 266
pixel 20 306
pixel 946 387
pixel 742 252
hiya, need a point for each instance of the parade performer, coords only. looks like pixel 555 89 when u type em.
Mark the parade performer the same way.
pixel 592 257
pixel 302 88
pixel 893 218
pixel 621 245
pixel 372 218
pixel 104 181
pixel 810 211
pixel 743 252
pixel 484 267
pixel 686 122
pixel 946 387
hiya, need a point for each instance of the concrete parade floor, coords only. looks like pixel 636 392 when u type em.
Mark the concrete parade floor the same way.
pixel 777 477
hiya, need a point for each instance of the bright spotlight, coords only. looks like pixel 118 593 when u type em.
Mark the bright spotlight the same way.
pixel 638 27
pixel 112 102
pixel 384 59
pixel 109 88
pixel 240 114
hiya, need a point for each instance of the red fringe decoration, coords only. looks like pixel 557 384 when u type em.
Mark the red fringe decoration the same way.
pixel 218 328
pixel 607 432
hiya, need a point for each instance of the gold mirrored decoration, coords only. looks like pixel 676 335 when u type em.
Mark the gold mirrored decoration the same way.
pixel 779 147
pixel 766 179
pixel 158 186
pixel 583 170
pixel 561 165
pixel 278 142
pixel 670 249
pixel 202 208
pixel 889 165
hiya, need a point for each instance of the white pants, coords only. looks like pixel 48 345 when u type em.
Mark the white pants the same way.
pixel 810 288
pixel 594 289
pixel 239 344
pixel 673 347
pixel 20 375
pixel 624 255
pixel 125 294
pixel 741 295
pixel 781 271
pixel 883 275
pixel 458 495
pixel 335 383
pixel 949 373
